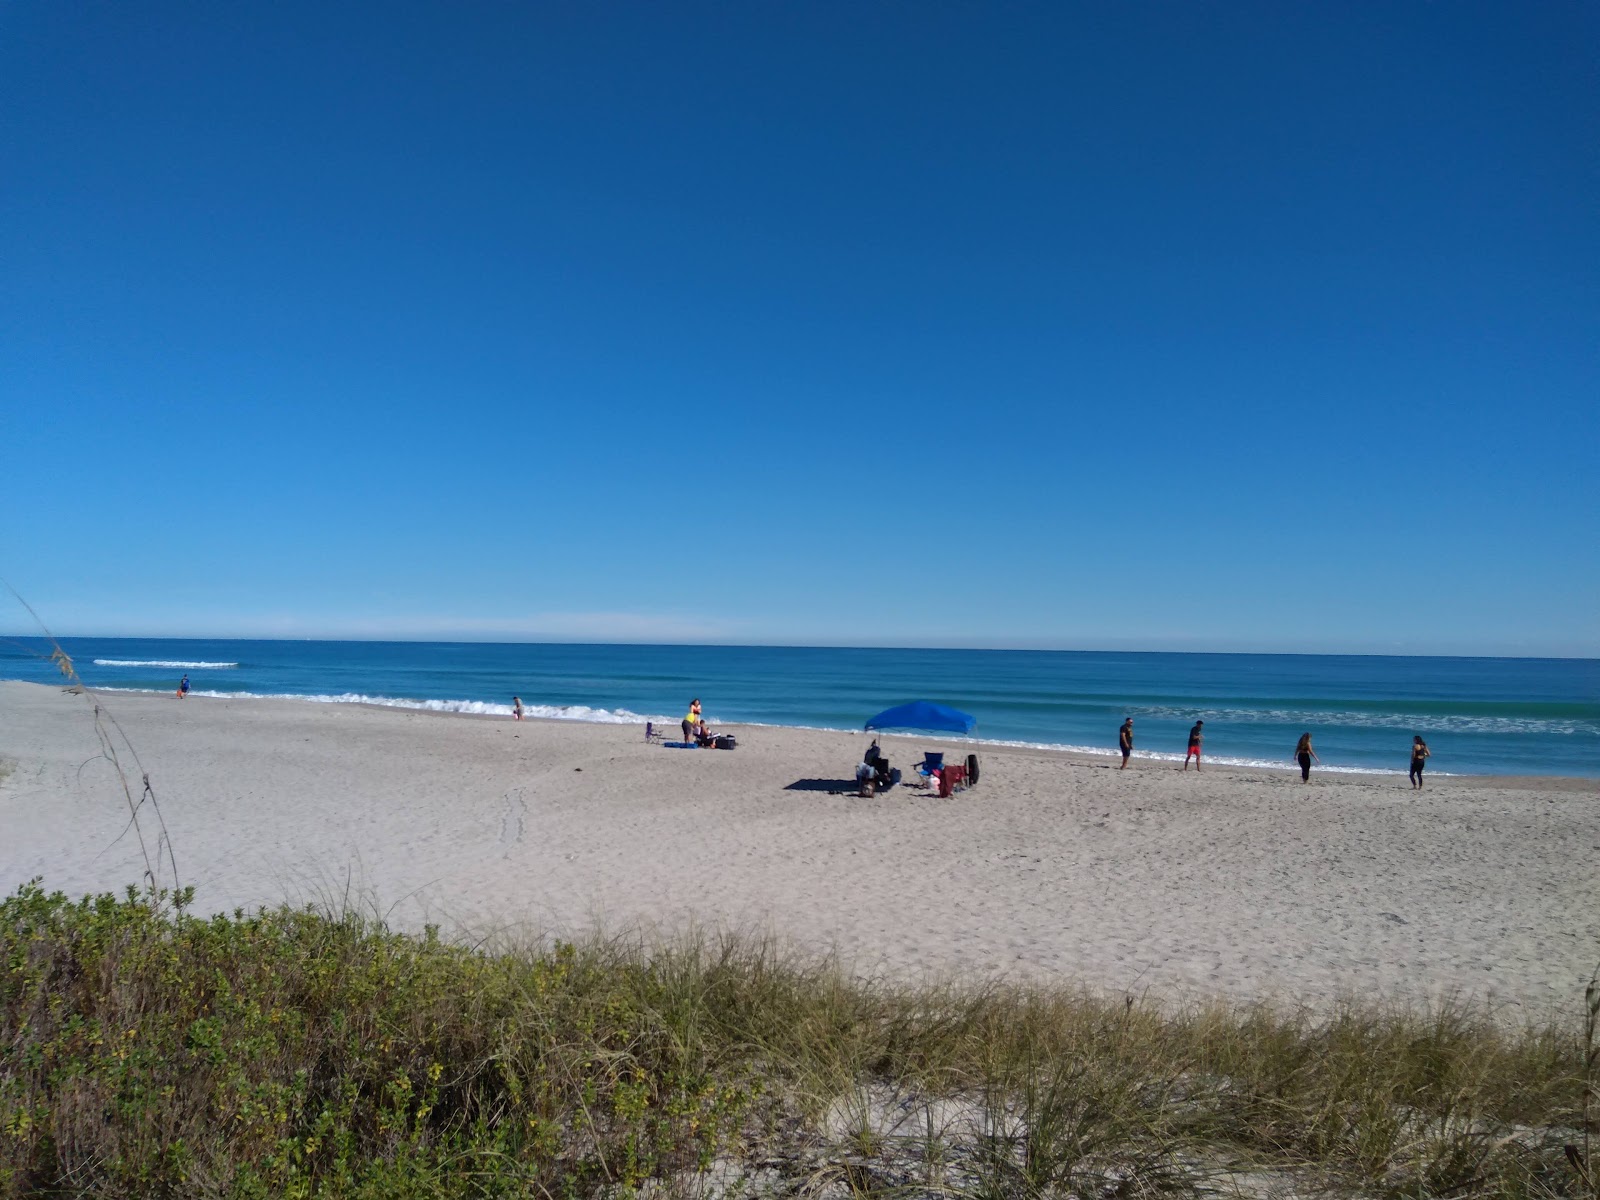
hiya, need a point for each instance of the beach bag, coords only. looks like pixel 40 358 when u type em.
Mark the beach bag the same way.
pixel 726 741
pixel 972 769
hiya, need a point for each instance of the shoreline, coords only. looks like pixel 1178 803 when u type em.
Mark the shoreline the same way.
pixel 1089 755
pixel 1235 882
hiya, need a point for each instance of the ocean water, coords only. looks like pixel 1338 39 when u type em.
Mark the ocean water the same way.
pixel 1496 716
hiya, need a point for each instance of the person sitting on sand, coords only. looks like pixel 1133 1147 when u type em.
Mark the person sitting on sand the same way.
pixel 866 778
pixel 703 735
pixel 1420 754
pixel 873 774
pixel 516 708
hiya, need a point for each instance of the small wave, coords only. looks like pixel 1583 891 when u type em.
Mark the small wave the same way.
pixel 481 708
pixel 164 662
pixel 548 712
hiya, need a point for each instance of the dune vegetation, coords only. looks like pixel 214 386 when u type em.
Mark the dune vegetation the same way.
pixel 152 1052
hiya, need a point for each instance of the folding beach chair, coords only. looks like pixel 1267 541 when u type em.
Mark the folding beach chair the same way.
pixel 932 760
pixel 654 732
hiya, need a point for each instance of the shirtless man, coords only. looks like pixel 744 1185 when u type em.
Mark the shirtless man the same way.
pixel 1125 742
pixel 1196 736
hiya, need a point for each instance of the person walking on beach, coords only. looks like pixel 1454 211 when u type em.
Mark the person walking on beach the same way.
pixel 1196 736
pixel 183 688
pixel 1304 753
pixel 1125 742
pixel 1420 754
pixel 516 708
pixel 691 720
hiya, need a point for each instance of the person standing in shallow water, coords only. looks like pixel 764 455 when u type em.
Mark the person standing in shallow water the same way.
pixel 1304 753
pixel 1196 736
pixel 1125 742
pixel 1420 754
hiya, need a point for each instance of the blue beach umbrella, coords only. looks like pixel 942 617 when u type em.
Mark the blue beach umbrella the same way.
pixel 923 715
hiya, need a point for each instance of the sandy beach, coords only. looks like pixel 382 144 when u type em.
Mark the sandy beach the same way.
pixel 1237 882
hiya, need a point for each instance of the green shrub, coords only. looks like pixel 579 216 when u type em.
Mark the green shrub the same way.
pixel 149 1052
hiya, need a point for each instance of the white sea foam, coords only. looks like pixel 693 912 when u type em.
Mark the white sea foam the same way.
pixel 550 712
pixel 164 662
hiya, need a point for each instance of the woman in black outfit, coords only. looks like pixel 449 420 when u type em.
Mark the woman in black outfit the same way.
pixel 1305 754
pixel 1419 755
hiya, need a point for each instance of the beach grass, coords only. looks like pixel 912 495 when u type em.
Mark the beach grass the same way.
pixel 152 1052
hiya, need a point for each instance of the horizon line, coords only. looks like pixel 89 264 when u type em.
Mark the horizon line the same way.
pixel 758 645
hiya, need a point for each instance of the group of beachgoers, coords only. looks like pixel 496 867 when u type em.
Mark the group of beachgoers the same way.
pixel 698 733
pixel 695 729
pixel 1303 753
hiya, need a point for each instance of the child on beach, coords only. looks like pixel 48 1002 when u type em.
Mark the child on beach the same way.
pixel 516 708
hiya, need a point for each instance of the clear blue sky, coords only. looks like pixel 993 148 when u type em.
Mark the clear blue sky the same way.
pixel 1168 325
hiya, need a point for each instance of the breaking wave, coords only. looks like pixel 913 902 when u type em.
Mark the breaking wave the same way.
pixel 479 708
pixel 176 664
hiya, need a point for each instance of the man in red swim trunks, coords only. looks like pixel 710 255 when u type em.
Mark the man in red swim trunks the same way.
pixel 1196 736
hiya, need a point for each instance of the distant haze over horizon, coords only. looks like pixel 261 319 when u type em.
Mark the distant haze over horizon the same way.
pixel 1129 646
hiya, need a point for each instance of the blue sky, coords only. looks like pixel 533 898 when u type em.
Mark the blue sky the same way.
pixel 1168 326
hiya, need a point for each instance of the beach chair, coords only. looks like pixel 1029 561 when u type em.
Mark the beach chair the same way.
pixel 654 732
pixel 932 760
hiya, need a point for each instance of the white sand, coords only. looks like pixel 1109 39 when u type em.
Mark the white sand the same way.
pixel 1238 882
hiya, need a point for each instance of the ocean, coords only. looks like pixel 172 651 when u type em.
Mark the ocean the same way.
pixel 1491 716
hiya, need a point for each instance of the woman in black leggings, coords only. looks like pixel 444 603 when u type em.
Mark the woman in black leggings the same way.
pixel 1305 754
pixel 1419 755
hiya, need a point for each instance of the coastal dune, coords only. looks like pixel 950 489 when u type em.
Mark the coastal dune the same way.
pixel 1056 868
